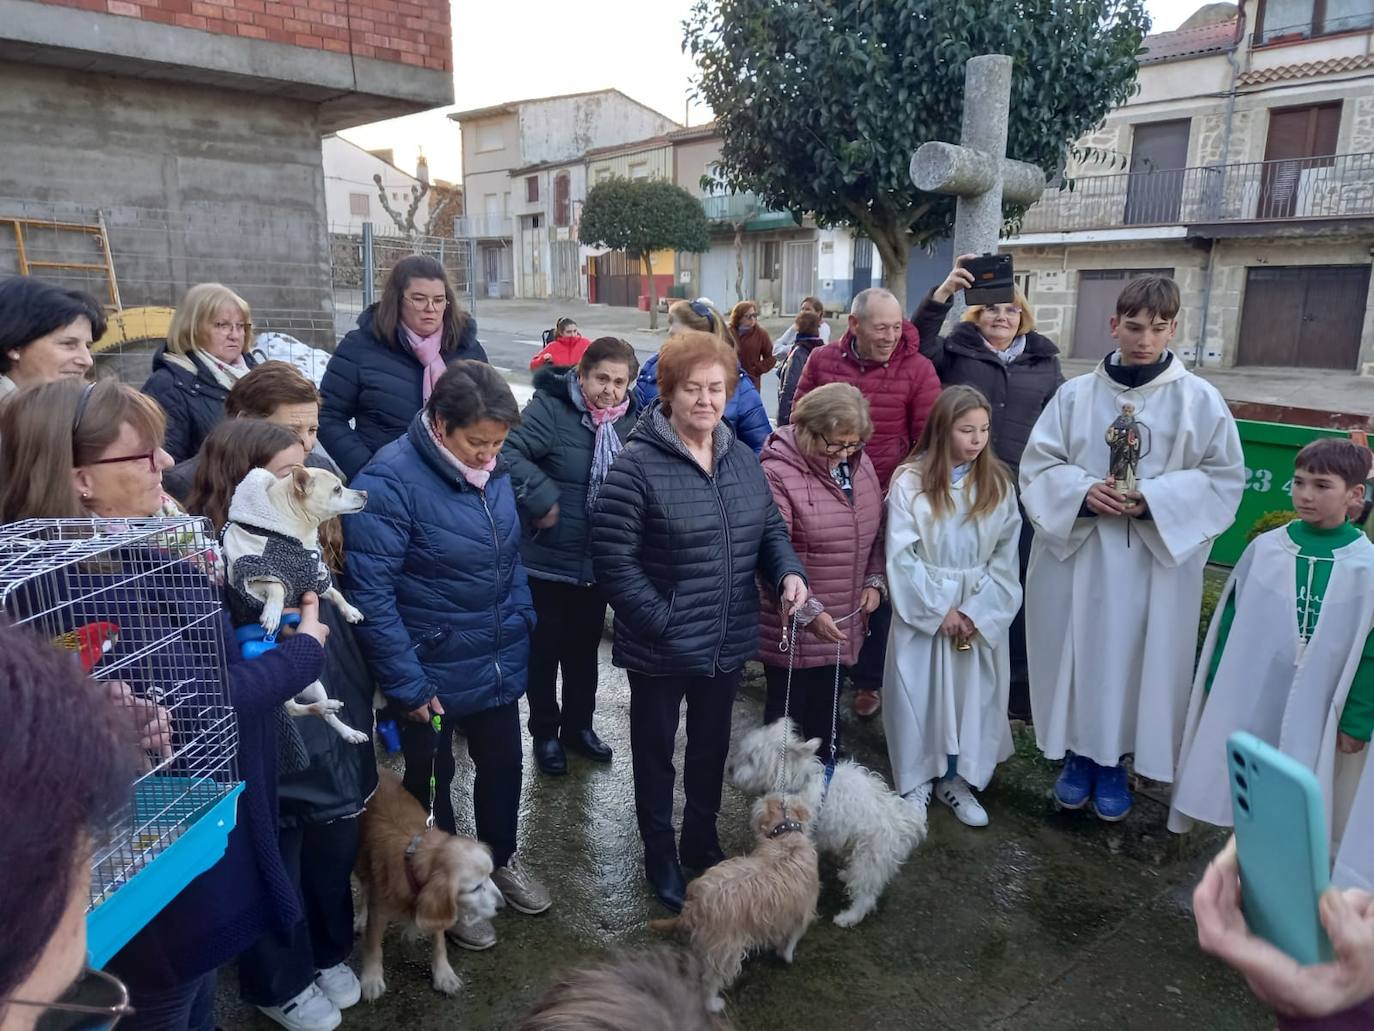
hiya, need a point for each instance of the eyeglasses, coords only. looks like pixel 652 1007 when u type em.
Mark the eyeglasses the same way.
pixel 426 303
pixel 842 447
pixel 228 327
pixel 95 1001
pixel 1002 309
pixel 147 456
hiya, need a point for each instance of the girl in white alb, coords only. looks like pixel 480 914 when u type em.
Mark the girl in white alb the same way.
pixel 952 574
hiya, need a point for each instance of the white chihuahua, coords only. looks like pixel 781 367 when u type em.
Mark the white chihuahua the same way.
pixel 272 555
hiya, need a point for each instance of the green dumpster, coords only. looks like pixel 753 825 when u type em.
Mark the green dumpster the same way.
pixel 1270 449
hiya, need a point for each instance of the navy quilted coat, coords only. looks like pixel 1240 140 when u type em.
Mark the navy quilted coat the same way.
pixel 193 401
pixel 744 412
pixel 434 565
pixel 677 550
pixel 377 387
pixel 550 456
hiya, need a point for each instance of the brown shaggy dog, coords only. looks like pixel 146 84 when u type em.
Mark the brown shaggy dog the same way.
pixel 767 898
pixel 423 877
pixel 657 989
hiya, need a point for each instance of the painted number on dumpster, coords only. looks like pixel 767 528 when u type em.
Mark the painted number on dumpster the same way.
pixel 1261 481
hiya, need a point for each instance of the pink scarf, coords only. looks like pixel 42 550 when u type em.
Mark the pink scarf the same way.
pixel 426 351
pixel 477 477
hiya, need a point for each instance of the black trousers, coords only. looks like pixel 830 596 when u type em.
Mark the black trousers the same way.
pixel 655 709
pixel 1018 702
pixel 571 621
pixel 867 673
pixel 493 737
pixel 281 964
pixel 813 702
pixel 187 1007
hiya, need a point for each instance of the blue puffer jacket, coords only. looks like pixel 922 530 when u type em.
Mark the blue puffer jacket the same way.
pixel 379 387
pixel 744 412
pixel 434 565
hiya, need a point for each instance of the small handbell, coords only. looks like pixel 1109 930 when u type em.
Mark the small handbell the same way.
pixel 963 644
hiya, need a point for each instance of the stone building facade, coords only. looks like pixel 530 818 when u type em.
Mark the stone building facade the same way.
pixel 1244 167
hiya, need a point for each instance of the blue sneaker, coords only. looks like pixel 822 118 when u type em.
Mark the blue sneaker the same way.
pixel 1112 798
pixel 1075 785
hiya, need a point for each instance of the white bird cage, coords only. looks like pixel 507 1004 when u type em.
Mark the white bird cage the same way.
pixel 138 601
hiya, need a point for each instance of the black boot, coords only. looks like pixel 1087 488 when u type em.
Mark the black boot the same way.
pixel 665 875
pixel 585 742
pixel 548 753
pixel 700 851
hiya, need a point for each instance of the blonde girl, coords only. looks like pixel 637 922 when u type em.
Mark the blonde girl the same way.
pixel 952 575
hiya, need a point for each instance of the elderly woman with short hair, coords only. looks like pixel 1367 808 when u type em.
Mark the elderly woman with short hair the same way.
pixel 683 524
pixel 206 353
pixel 828 494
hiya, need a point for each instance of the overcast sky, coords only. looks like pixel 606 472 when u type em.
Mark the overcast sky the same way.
pixel 513 49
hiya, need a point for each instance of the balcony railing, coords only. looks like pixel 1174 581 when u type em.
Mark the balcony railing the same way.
pixel 1338 186
pixel 746 208
pixel 483 226
pixel 1312 29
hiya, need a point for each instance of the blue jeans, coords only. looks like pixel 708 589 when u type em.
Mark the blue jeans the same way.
pixel 867 673
pixel 187 1007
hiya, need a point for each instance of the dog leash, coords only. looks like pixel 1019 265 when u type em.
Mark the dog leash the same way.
pixel 437 723
pixel 786 645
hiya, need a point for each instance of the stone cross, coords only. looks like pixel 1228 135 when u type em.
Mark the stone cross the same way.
pixel 977 170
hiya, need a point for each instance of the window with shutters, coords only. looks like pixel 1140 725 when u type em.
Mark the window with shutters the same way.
pixel 562 202
pixel 359 204
pixel 1298 155
pixel 1280 20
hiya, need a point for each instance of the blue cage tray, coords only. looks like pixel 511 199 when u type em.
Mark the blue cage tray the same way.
pixel 203 815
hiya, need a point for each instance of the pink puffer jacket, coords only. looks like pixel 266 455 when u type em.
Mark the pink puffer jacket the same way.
pixel 841 545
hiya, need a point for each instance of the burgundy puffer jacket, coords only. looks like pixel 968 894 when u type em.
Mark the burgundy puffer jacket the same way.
pixel 841 545
pixel 900 392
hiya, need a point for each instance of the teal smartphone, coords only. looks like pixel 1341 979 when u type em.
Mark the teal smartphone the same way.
pixel 1280 823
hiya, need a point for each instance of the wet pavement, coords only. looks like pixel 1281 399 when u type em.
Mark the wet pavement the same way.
pixel 1041 920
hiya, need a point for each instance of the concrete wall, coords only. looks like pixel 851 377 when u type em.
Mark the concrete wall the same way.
pixel 563 127
pixel 692 160
pixel 194 186
pixel 348 170
pixel 490 144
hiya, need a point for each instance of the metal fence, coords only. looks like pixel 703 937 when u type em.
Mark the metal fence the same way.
pixel 302 281
pixel 1299 188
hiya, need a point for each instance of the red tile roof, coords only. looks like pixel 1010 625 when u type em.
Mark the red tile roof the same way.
pixel 1185 43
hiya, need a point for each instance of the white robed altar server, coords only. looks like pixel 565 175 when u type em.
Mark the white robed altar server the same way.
pixel 1113 599
pixel 953 580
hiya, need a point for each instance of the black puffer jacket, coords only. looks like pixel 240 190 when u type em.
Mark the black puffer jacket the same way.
pixel 791 373
pixel 1018 392
pixel 341 777
pixel 550 459
pixel 193 401
pixel 379 387
pixel 676 551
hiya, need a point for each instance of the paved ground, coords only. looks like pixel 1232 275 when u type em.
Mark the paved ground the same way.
pixel 1039 921
pixel 511 330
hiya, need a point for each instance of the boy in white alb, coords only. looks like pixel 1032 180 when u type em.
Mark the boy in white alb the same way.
pixel 1114 588
pixel 1290 658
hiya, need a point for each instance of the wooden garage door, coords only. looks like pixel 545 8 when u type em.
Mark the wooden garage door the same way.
pixel 1097 292
pixel 1303 317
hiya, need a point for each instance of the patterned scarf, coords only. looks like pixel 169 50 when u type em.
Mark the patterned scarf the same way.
pixel 226 375
pixel 600 421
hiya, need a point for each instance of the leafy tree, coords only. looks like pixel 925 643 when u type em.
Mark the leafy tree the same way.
pixel 643 215
pixel 823 102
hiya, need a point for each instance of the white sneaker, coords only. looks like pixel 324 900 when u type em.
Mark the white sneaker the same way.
pixel 341 985
pixel 309 1011
pixel 919 799
pixel 955 793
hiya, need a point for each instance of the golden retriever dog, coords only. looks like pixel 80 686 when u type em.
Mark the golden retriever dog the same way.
pixel 657 989
pixel 767 898
pixel 415 875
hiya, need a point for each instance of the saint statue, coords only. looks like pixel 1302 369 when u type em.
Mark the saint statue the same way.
pixel 1127 443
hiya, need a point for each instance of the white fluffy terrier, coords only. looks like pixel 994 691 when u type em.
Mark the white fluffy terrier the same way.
pixel 858 819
